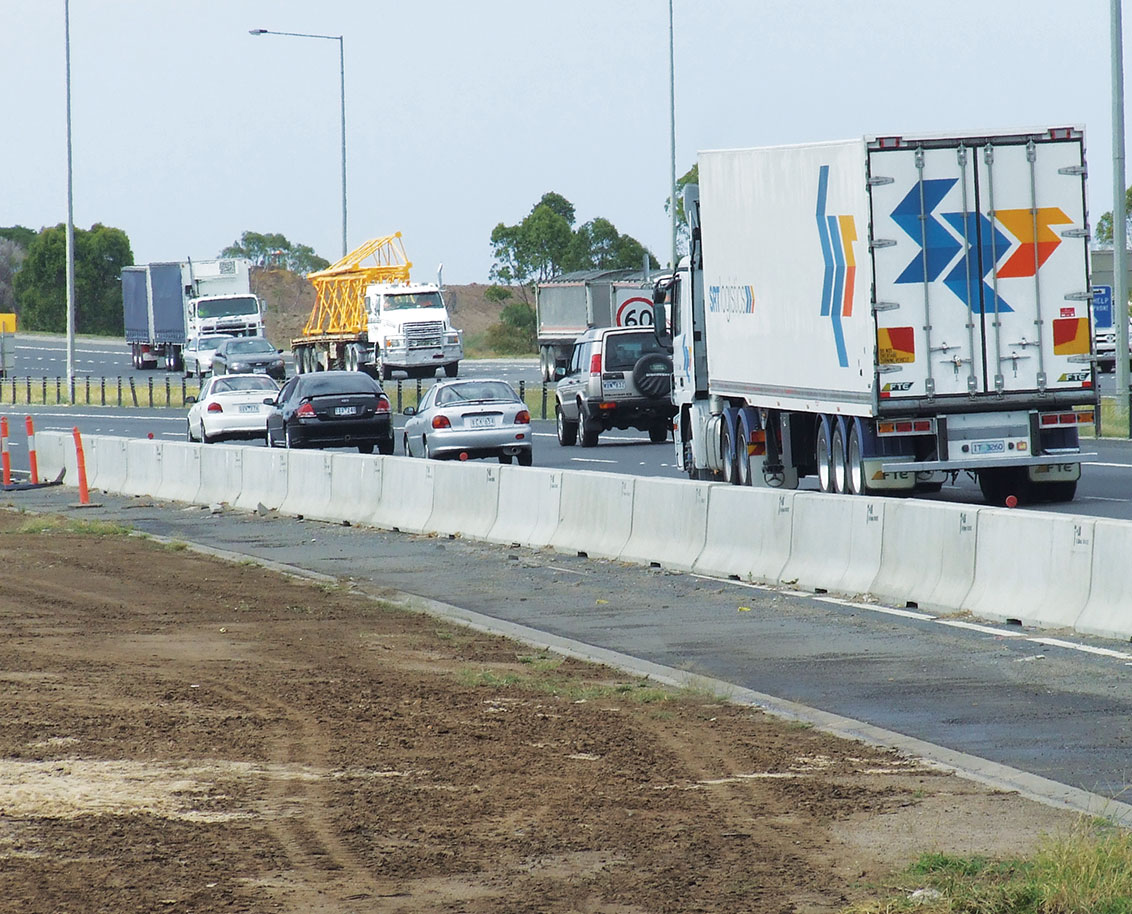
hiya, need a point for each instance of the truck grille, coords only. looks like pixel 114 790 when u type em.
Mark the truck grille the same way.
pixel 424 335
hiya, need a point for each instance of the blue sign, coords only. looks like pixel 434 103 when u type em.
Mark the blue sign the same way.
pixel 1102 308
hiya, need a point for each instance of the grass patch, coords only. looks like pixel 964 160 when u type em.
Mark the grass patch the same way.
pixel 1087 872
pixel 53 524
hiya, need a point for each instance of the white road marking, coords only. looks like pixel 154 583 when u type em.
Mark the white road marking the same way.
pixel 591 460
pixel 985 629
pixel 1086 648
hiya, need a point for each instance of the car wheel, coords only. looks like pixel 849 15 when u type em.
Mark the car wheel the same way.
pixel 658 431
pixel 290 440
pixel 505 458
pixel 204 436
pixel 365 448
pixel 567 430
pixel 526 458
pixel 424 446
pixel 387 447
pixel 405 445
pixel 189 431
pixel 590 431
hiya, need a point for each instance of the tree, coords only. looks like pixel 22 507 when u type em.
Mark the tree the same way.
pixel 274 250
pixel 12 255
pixel 41 283
pixel 1102 234
pixel 691 176
pixel 515 332
pixel 19 234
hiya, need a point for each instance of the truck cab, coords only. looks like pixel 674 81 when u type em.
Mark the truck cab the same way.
pixel 236 315
pixel 409 328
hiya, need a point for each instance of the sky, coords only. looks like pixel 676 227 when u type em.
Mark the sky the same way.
pixel 188 131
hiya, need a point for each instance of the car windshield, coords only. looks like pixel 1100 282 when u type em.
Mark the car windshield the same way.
pixel 622 350
pixel 252 344
pixel 224 307
pixel 211 342
pixel 351 382
pixel 413 300
pixel 474 390
pixel 243 382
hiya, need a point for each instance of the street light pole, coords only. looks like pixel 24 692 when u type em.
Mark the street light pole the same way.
pixel 672 128
pixel 70 220
pixel 342 82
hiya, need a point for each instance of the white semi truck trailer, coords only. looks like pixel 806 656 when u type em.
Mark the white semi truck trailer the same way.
pixel 887 313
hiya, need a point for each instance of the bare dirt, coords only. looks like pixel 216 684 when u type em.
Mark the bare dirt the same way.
pixel 183 734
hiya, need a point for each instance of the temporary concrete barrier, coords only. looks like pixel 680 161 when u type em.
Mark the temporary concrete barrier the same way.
pixel 406 494
pixel 51 449
pixel 107 462
pixel 180 470
pixel 927 554
pixel 529 500
pixel 355 488
pixel 308 483
pixel 465 498
pixel 143 459
pixel 1108 611
pixel 221 474
pixel 748 533
pixel 595 514
pixel 835 542
pixel 1031 566
pixel 264 478
pixel 669 523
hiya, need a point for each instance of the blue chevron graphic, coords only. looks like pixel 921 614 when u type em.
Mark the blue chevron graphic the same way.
pixel 959 280
pixel 833 282
pixel 941 247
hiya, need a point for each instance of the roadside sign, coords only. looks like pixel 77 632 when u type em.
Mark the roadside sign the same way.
pixel 634 312
pixel 1102 308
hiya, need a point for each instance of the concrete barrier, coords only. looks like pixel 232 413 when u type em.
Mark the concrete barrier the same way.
pixel 835 542
pixel 107 462
pixel 221 474
pixel 529 501
pixel 355 488
pixel 748 533
pixel 1108 611
pixel 1031 566
pixel 406 494
pixel 308 484
pixel 927 554
pixel 180 470
pixel 144 467
pixel 595 514
pixel 669 523
pixel 465 498
pixel 51 453
pixel 264 477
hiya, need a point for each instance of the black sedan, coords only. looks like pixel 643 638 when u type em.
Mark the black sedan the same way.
pixel 248 354
pixel 331 409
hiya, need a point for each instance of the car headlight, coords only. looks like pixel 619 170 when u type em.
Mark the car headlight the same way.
pixel 238 366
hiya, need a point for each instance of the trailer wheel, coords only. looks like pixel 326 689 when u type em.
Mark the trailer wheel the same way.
pixel 840 463
pixel 1054 492
pixel 823 456
pixel 727 455
pixel 998 483
pixel 451 369
pixel 854 468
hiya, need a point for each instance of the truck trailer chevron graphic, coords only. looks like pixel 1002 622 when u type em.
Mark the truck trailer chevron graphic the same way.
pixel 837 234
pixel 981 244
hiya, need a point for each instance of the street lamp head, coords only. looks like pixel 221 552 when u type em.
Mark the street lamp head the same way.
pixel 257 31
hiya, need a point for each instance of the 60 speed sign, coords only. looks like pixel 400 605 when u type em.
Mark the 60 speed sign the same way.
pixel 634 312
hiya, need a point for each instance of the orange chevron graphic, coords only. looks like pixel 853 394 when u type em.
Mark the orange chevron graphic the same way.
pixel 1020 223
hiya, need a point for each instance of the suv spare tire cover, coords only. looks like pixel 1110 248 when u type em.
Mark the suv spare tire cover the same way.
pixel 653 375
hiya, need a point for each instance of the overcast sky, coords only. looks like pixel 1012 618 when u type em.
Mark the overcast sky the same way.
pixel 188 131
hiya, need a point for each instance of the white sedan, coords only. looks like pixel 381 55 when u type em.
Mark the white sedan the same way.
pixel 231 406
pixel 197 354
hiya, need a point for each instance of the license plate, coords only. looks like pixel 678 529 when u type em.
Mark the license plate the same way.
pixel 345 410
pixel 613 385
pixel 988 447
pixel 249 407
pixel 480 421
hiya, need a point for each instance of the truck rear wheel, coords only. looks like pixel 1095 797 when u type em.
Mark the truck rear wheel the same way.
pixel 840 463
pixel 823 457
pixel 854 468
pixel 999 483
pixel 451 369
pixel 727 455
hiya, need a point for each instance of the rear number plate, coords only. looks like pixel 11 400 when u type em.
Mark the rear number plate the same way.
pixel 988 447
pixel 345 410
pixel 249 407
pixel 481 422
pixel 613 385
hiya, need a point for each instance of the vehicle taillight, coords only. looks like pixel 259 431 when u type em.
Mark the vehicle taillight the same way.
pixel 305 411
pixel 382 405
pixel 595 363
pixel 215 407
pixel 522 417
pixel 441 422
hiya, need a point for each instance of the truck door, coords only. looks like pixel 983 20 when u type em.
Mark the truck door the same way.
pixel 979 250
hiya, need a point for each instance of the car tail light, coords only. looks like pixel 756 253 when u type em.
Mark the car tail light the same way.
pixel 522 417
pixel 595 363
pixel 441 422
pixel 382 405
pixel 215 407
pixel 305 411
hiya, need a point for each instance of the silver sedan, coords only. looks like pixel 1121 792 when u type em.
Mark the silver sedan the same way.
pixel 470 418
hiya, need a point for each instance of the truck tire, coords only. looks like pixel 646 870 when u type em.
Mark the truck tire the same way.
pixel 567 430
pixel 727 455
pixel 823 456
pixel 658 431
pixel 653 375
pixel 838 457
pixel 544 362
pixel 1053 492
pixel 451 369
pixel 999 483
pixel 854 468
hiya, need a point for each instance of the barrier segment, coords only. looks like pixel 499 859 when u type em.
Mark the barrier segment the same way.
pixel 669 523
pixel 263 478
pixel 927 554
pixel 53 451
pixel 595 514
pixel 406 495
pixel 835 542
pixel 1108 611
pixel 465 498
pixel 529 501
pixel 143 457
pixel 1032 566
pixel 748 533
pixel 221 474
pixel 180 471
pixel 355 488
pixel 308 483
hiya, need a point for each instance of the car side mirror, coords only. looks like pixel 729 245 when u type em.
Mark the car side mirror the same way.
pixel 409 411
pixel 269 401
pixel 190 399
pixel 559 372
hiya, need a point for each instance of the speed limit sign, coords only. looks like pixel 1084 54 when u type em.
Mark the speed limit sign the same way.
pixel 635 312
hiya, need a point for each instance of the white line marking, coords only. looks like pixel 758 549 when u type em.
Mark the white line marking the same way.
pixel 985 629
pixel 873 607
pixel 1086 648
pixel 591 460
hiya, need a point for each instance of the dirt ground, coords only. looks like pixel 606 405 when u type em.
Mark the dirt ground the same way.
pixel 183 734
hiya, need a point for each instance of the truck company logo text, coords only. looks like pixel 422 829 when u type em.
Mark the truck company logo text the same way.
pixel 837 234
pixel 731 299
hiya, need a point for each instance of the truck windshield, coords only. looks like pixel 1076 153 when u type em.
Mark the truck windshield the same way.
pixel 413 300
pixel 222 307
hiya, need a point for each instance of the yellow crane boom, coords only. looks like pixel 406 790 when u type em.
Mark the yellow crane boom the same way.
pixel 340 289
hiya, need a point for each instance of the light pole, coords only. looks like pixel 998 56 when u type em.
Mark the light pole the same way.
pixel 70 221
pixel 672 129
pixel 342 79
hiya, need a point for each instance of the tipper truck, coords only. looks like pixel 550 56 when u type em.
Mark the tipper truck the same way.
pixel 887 313
pixel 368 316
pixel 166 304
pixel 569 305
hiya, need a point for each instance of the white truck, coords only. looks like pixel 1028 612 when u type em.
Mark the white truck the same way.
pixel 886 313
pixel 569 305
pixel 167 304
